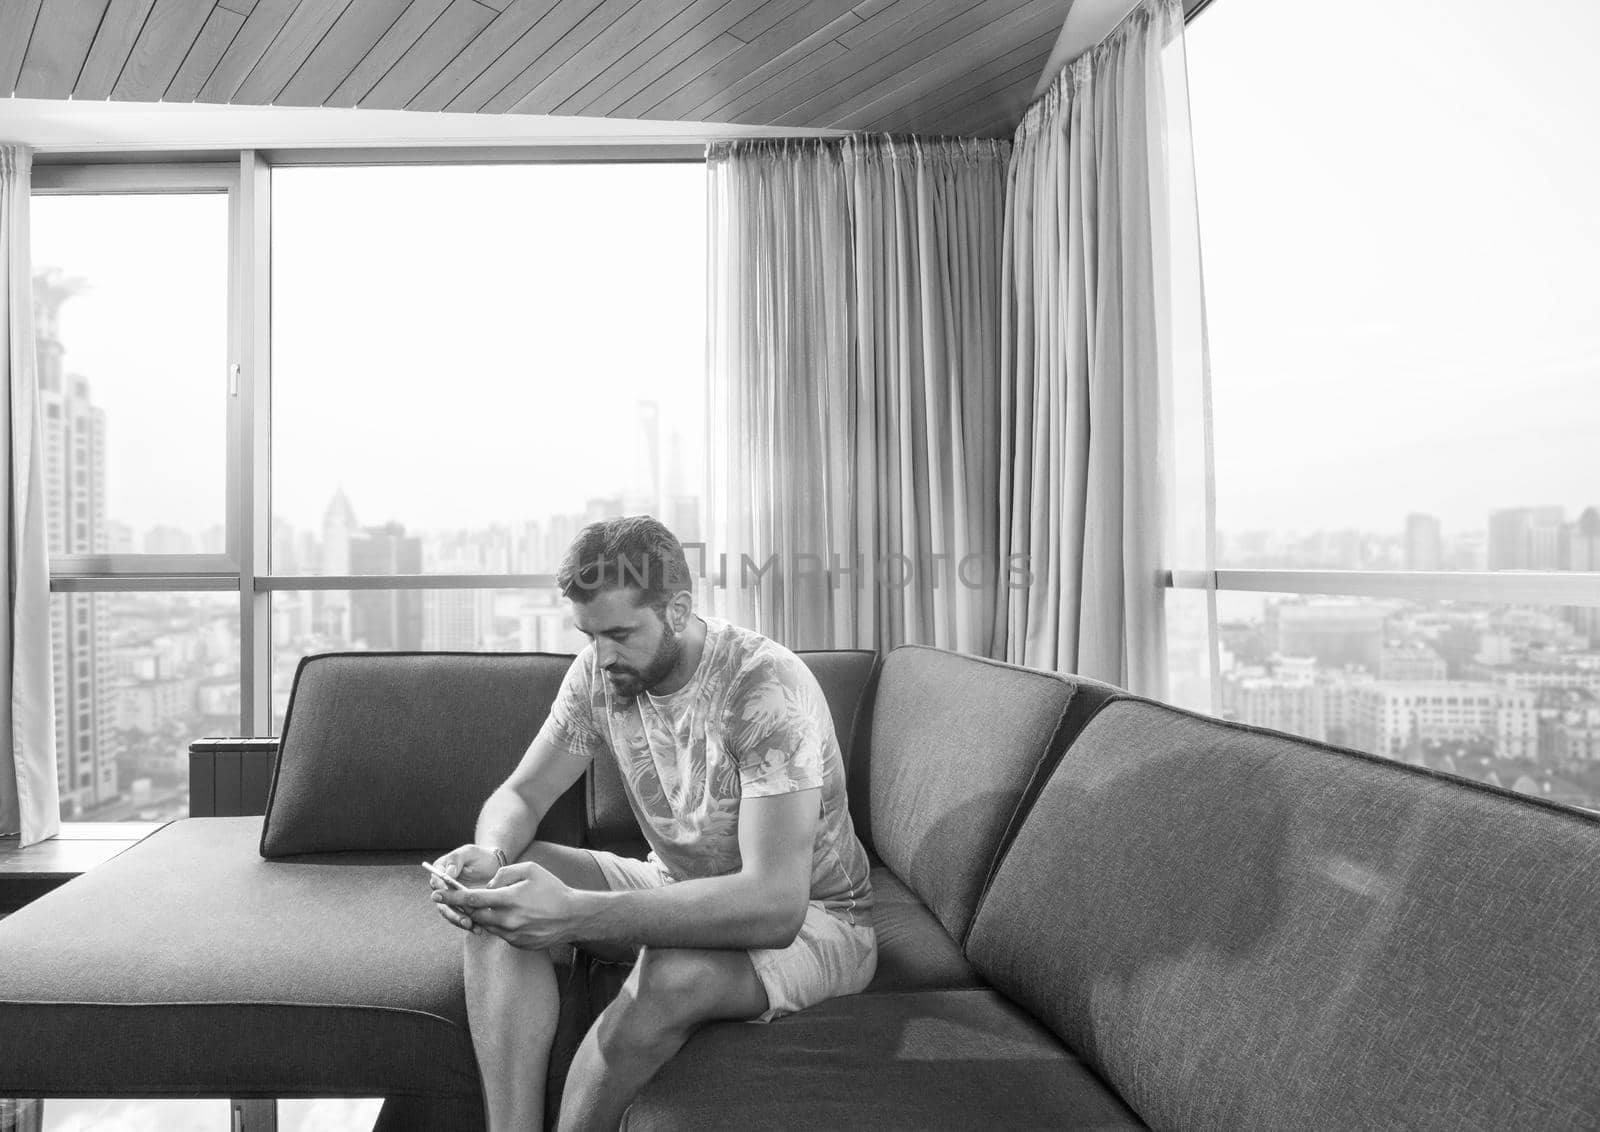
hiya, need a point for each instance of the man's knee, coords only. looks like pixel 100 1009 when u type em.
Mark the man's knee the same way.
pixel 671 990
pixel 505 980
pixel 682 983
pixel 487 956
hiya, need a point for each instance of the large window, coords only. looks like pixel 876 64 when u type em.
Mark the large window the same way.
pixel 1399 255
pixel 467 363
pixel 132 311
pixel 140 676
pixel 470 362
pixel 132 286
pixel 1399 246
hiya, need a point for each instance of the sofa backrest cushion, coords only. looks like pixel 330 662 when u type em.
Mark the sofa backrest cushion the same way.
pixel 844 676
pixel 955 741
pixel 1239 929
pixel 386 751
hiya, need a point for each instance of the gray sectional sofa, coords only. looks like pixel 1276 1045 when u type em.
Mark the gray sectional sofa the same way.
pixel 1094 911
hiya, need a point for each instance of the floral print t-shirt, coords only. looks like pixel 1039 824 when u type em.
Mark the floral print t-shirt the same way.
pixel 751 722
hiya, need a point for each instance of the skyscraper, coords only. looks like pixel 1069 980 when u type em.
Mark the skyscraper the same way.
pixel 162 539
pixel 459 620
pixel 338 527
pixel 75 507
pixel 1526 538
pixel 1583 553
pixel 1336 634
pixel 680 507
pixel 644 494
pixel 1424 542
pixel 285 557
pixel 386 619
pixel 1583 541
pixel 559 534
pixel 530 553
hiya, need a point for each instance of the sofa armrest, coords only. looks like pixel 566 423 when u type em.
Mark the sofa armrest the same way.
pixel 230 776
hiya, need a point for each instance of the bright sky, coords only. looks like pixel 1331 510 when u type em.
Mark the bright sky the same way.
pixel 1400 209
pixel 453 346
pixel 458 346
pixel 149 329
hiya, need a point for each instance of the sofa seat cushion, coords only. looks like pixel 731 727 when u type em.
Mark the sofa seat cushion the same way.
pixel 914 950
pixel 189 964
pixel 922 1060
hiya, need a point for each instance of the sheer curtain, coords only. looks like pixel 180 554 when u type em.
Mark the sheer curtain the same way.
pixel 854 390
pixel 29 798
pixel 1103 352
pixel 17 1115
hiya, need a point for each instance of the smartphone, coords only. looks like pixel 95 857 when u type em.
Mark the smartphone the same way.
pixel 444 876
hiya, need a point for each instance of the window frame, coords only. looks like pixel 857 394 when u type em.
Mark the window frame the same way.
pixel 1510 587
pixel 245 566
pixel 149 180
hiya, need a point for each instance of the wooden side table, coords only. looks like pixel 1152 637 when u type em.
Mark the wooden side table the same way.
pixel 27 874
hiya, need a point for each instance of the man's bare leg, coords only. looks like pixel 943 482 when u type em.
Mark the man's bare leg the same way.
pixel 670 994
pixel 513 1004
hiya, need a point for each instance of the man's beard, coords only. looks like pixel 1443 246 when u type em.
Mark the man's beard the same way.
pixel 629 682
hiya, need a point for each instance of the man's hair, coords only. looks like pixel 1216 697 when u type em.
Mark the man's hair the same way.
pixel 635 551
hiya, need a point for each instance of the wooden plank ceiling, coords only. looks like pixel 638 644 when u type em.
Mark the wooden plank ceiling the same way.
pixel 955 67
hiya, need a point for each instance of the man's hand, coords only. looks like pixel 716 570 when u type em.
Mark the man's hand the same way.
pixel 472 865
pixel 523 904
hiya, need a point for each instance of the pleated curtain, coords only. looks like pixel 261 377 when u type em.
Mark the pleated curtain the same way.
pixel 29 795
pixel 947 378
pixel 1101 334
pixel 854 390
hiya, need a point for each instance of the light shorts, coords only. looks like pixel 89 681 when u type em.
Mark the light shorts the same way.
pixel 830 956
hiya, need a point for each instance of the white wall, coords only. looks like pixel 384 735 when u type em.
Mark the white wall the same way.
pixel 1087 23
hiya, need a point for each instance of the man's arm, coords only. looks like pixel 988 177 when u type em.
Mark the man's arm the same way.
pixel 511 815
pixel 760 906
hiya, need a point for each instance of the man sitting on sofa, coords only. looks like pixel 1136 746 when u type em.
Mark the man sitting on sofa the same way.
pixel 755 900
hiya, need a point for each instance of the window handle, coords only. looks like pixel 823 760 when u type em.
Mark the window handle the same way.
pixel 233 380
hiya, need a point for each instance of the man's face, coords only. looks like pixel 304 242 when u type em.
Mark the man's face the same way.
pixel 636 648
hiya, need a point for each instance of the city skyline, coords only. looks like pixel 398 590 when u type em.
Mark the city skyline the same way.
pixel 1563 538
pixel 1504 694
pixel 1523 538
